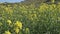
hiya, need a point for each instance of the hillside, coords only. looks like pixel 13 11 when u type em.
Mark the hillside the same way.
pixel 20 18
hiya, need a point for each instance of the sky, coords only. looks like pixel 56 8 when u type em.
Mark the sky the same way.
pixel 11 1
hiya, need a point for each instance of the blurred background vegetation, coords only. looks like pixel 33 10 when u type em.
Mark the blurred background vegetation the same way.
pixel 30 17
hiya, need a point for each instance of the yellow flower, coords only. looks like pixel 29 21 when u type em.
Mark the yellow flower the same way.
pixel 16 30
pixel 7 32
pixel 9 22
pixel 8 10
pixel 43 7
pixel 18 24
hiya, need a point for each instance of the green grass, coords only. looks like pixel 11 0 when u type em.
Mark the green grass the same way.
pixel 42 20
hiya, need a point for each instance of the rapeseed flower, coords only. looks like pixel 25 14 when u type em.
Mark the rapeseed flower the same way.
pixel 43 7
pixel 16 30
pixel 8 10
pixel 7 32
pixel 18 24
pixel 9 22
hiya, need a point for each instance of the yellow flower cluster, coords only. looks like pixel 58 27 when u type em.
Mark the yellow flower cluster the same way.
pixel 8 10
pixel 16 30
pixel 46 7
pixel 43 7
pixel 18 24
pixel 44 15
pixel 7 32
pixel 9 22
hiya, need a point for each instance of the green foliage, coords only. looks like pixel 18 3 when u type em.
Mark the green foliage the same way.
pixel 22 19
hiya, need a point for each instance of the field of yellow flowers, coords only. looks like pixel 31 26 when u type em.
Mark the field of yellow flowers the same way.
pixel 22 19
